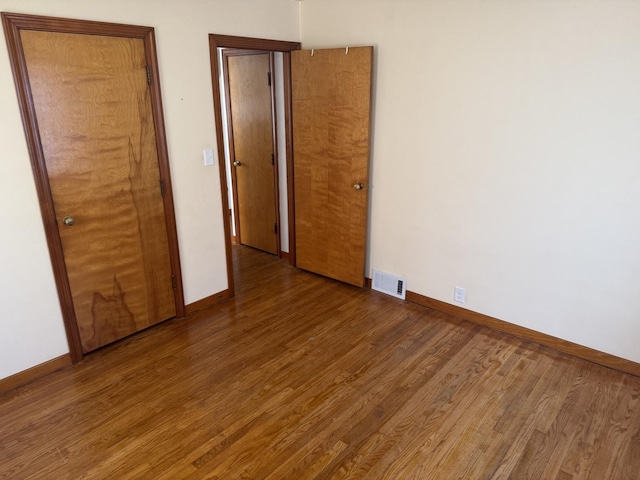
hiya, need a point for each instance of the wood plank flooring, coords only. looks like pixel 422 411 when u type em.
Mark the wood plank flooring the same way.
pixel 301 377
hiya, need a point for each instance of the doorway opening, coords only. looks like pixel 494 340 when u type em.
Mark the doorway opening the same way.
pixel 280 62
pixel 327 106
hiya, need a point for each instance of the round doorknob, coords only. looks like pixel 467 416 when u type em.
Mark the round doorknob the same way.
pixel 358 186
pixel 236 163
pixel 68 221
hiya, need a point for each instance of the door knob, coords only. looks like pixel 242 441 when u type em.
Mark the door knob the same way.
pixel 358 186
pixel 236 163
pixel 68 221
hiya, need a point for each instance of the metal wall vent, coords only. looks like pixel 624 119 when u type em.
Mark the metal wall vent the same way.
pixel 389 284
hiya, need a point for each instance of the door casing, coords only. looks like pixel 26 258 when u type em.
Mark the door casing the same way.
pixel 13 24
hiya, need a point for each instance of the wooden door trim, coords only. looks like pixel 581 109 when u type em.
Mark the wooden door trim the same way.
pixel 229 41
pixel 239 52
pixel 165 171
pixel 13 23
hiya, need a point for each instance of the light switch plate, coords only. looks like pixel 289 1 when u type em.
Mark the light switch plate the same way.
pixel 208 157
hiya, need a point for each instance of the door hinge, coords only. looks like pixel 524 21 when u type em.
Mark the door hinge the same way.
pixel 163 189
pixel 269 78
pixel 173 282
pixel 148 75
pixel 275 228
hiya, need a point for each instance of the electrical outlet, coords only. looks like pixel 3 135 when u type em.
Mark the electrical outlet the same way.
pixel 459 294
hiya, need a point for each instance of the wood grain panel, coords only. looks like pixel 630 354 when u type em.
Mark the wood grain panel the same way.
pixel 96 126
pixel 322 381
pixel 252 135
pixel 331 91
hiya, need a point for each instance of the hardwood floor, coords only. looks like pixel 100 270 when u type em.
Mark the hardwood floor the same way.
pixel 301 377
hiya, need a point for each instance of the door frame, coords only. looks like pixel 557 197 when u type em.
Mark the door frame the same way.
pixel 249 43
pixel 13 23
pixel 230 52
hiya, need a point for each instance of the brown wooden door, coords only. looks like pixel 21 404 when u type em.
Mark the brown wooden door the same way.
pixel 95 121
pixel 251 133
pixel 331 92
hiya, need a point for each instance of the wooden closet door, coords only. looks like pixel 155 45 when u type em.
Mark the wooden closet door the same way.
pixel 252 133
pixel 331 92
pixel 95 121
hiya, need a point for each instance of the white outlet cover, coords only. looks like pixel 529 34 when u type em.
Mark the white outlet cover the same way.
pixel 459 294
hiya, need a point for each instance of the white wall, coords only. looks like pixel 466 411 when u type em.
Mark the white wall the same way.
pixel 31 329
pixel 506 155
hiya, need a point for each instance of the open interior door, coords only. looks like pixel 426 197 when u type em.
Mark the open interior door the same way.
pixel 331 110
